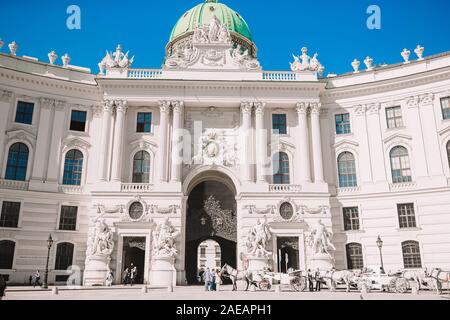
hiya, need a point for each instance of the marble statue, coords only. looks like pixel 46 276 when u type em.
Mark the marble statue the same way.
pixel 214 28
pixel 257 240
pixel 306 63
pixel 321 239
pixel 118 59
pixel 164 240
pixel 103 243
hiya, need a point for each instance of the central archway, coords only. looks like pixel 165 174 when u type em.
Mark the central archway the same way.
pixel 211 214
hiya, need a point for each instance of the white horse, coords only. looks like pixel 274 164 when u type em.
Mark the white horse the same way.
pixel 236 275
pixel 440 276
pixel 340 277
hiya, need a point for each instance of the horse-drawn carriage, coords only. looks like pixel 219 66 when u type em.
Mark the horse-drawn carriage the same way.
pixel 294 280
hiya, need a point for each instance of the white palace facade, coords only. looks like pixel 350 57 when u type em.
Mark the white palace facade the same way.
pixel 210 144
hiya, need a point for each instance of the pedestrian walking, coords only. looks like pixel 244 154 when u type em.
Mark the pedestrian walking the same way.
pixel 126 276
pixel 2 287
pixel 207 279
pixel 109 279
pixel 37 279
pixel 318 280
pixel 133 274
pixel 310 281
pixel 218 280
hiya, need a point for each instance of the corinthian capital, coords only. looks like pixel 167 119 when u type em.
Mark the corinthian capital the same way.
pixel 108 105
pixel 97 110
pixel 178 106
pixel 5 95
pixel 260 108
pixel 373 108
pixel 60 105
pixel 246 107
pixel 121 106
pixel 301 108
pixel 164 106
pixel 47 103
pixel 315 107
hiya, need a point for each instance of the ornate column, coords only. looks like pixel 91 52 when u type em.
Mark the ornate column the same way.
pixel 59 127
pixel 121 111
pixel 261 142
pixel 5 103
pixel 106 132
pixel 246 110
pixel 303 143
pixel 164 108
pixel 316 142
pixel 177 146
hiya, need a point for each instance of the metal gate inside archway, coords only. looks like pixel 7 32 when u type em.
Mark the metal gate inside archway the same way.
pixel 210 215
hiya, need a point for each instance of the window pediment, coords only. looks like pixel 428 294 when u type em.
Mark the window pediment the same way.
pixel 21 135
pixel 143 145
pixel 72 142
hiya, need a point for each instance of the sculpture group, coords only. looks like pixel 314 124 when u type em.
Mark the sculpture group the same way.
pixel 305 63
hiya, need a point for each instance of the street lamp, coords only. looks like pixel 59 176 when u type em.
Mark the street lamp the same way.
pixel 380 246
pixel 49 246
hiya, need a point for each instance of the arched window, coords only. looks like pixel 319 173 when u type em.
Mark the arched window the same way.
pixel 64 256
pixel 281 168
pixel 141 167
pixel 73 168
pixel 7 254
pixel 448 153
pixel 400 165
pixel 411 255
pixel 347 170
pixel 16 168
pixel 354 256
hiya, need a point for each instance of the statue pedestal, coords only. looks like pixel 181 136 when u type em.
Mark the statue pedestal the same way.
pixel 163 272
pixel 257 264
pixel 96 271
pixel 321 261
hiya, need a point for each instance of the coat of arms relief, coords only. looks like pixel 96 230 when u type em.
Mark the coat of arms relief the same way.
pixel 214 149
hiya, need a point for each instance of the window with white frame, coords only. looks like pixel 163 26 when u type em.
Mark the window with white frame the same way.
pixel 343 123
pixel 411 255
pixel 24 112
pixel 68 218
pixel 141 167
pixel 144 122
pixel 73 168
pixel 10 214
pixel 279 123
pixel 394 117
pixel 355 258
pixel 406 215
pixel 445 105
pixel 400 165
pixel 281 171
pixel 78 121
pixel 351 219
pixel 347 170
pixel 16 167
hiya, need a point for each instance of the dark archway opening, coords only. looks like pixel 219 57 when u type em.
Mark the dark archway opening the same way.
pixel 210 215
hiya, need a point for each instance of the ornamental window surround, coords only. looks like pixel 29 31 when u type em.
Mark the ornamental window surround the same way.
pixel 445 106
pixel 351 219
pixel 400 165
pixel 73 168
pixel 141 167
pixel 347 170
pixel 394 117
pixel 406 216
pixel 24 112
pixel 355 258
pixel 411 255
pixel 7 250
pixel 17 164
pixel 64 255
pixel 343 125
pixel 10 214
pixel 281 171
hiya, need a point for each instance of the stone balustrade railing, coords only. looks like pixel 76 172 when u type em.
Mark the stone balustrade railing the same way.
pixel 280 76
pixel 71 189
pixel 14 185
pixel 349 190
pixel 281 188
pixel 144 74
pixel 137 187
pixel 403 186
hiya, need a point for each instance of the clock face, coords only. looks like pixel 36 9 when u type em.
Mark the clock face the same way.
pixel 136 211
pixel 286 211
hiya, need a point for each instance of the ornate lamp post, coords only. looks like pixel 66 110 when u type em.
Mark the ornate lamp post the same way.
pixel 49 246
pixel 380 246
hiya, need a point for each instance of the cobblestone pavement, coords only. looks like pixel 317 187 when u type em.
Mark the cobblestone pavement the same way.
pixel 198 293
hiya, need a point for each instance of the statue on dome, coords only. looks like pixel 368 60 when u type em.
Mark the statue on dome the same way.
pixel 214 28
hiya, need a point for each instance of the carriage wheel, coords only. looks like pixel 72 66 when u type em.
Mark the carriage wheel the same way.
pixel 264 285
pixel 401 285
pixel 298 284
pixel 392 285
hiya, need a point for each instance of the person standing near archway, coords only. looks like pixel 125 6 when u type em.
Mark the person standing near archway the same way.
pixel 2 287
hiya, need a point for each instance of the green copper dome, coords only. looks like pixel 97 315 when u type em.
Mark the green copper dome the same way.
pixel 203 13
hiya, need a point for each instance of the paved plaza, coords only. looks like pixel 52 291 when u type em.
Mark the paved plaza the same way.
pixel 198 293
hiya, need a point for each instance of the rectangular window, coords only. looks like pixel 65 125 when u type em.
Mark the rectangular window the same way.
pixel 279 124
pixel 10 214
pixel 144 122
pixel 218 253
pixel 445 105
pixel 68 218
pixel 218 264
pixel 24 112
pixel 343 124
pixel 203 252
pixel 351 218
pixel 78 121
pixel 202 264
pixel 406 216
pixel 394 117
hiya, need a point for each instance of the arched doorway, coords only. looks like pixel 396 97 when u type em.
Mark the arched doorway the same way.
pixel 210 216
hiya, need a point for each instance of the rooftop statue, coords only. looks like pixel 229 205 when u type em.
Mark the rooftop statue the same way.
pixel 118 59
pixel 305 63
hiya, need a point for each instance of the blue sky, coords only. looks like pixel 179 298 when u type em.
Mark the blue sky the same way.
pixel 335 29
